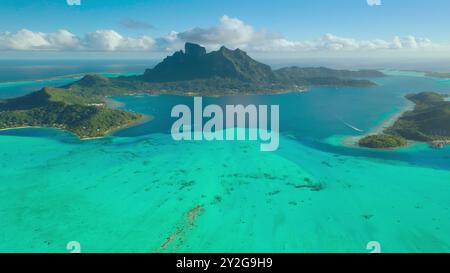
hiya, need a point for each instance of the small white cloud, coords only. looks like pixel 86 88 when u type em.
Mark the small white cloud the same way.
pixel 73 2
pixel 374 2
pixel 230 31
pixel 110 40
pixel 135 24
pixel 104 40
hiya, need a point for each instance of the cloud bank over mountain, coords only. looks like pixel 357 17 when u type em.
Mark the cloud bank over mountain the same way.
pixel 235 33
pixel 232 32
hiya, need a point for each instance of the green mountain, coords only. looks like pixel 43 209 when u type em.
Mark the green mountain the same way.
pixel 233 71
pixel 58 108
pixel 429 121
pixel 222 72
pixel 195 64
pixel 426 99
pixel 79 107
pixel 312 76
pixel 439 75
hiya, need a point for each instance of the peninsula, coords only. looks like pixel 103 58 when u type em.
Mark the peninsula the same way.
pixel 439 75
pixel 57 108
pixel 429 121
pixel 80 106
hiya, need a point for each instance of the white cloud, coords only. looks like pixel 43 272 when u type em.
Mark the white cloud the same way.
pixel 104 40
pixel 234 33
pixel 230 32
pixel 335 43
pixel 374 2
pixel 170 42
pixel 25 39
pixel 63 40
pixel 411 42
pixel 110 40
pixel 73 2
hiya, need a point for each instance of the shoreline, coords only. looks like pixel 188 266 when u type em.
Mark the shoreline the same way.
pixel 391 119
pixel 352 141
pixel 117 105
pixel 113 104
pixel 226 94
pixel 28 127
pixel 144 119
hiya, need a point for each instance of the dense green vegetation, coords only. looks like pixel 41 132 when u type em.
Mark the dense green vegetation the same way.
pixel 292 73
pixel 233 71
pixel 429 121
pixel 195 63
pixel 218 73
pixel 79 107
pixel 316 76
pixel 382 141
pixel 58 108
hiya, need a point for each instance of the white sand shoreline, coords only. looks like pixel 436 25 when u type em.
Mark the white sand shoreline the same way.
pixel 390 121
pixel 144 119
pixel 352 141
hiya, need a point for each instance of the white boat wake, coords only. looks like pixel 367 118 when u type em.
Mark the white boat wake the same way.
pixel 353 127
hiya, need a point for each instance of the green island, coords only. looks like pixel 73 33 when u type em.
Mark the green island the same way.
pixel 429 121
pixel 57 108
pixel 222 72
pixel 382 141
pixel 80 107
pixel 439 75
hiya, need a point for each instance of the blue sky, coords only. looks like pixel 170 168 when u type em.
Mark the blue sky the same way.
pixel 295 21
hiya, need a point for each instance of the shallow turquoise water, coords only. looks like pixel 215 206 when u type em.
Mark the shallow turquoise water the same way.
pixel 140 191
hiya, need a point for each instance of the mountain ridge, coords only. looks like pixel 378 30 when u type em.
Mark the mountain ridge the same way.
pixel 80 107
pixel 57 108
pixel 195 64
pixel 429 121
pixel 221 72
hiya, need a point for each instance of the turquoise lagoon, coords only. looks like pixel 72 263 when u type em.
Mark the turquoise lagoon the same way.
pixel 140 191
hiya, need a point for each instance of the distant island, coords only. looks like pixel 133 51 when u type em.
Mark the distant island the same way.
pixel 438 75
pixel 429 121
pixel 223 72
pixel 80 107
